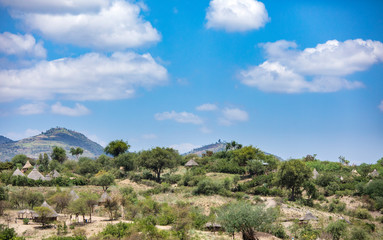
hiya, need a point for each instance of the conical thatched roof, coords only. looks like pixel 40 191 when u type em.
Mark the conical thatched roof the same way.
pixel 374 173
pixel 27 165
pixel 355 173
pixel 315 174
pixel 35 175
pixel 55 174
pixel 104 197
pixel 191 163
pixel 17 172
pixel 54 213
pixel 73 195
pixel 309 216
pixel 48 177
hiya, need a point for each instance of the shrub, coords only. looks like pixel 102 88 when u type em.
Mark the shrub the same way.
pixel 207 187
pixel 359 234
pixel 118 230
pixel 337 229
pixel 362 213
pixel 25 221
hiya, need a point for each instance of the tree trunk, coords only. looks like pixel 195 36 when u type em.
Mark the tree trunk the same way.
pixel 159 176
pixel 249 234
pixel 292 197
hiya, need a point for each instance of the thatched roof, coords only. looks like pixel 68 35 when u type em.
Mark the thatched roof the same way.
pixel 53 214
pixel 17 172
pixel 315 174
pixel 309 216
pixel 27 165
pixel 35 175
pixel 191 163
pixel 104 197
pixel 55 174
pixel 374 173
pixel 73 195
pixel 355 173
pixel 48 177
pixel 25 212
pixel 212 225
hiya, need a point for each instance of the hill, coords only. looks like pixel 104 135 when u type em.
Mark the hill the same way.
pixel 214 147
pixel 5 140
pixel 44 142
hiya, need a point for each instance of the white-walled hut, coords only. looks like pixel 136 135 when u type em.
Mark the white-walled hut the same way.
pixel 17 172
pixel 36 175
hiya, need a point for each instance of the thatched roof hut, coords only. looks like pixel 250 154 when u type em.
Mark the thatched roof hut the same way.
pixel 52 216
pixel 17 172
pixel 309 216
pixel 55 174
pixel 315 174
pixel 104 198
pixel 213 226
pixel 374 173
pixel 47 177
pixel 36 175
pixel 73 195
pixel 27 166
pixel 191 163
pixel 355 173
pixel 25 213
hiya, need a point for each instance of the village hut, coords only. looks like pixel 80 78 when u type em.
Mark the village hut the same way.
pixel 374 173
pixel 213 226
pixel 308 217
pixel 55 174
pixel 104 198
pixel 17 172
pixel 355 173
pixel 25 213
pixel 26 167
pixel 315 174
pixel 191 163
pixel 51 217
pixel 73 195
pixel 36 175
pixel 47 177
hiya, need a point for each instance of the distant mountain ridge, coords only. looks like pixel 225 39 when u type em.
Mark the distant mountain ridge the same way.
pixel 43 143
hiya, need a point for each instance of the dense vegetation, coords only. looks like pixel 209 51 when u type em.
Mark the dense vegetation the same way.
pixel 247 174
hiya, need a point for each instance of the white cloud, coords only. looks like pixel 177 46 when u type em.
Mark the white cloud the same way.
pixel 149 136
pixel 27 133
pixel 106 25
pixel 207 107
pixel 181 117
pixel 17 44
pixel 236 15
pixel 319 69
pixel 92 76
pixel 184 147
pixel 31 108
pixel 381 106
pixel 232 115
pixel 77 110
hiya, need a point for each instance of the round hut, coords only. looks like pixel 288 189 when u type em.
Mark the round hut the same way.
pixel 36 175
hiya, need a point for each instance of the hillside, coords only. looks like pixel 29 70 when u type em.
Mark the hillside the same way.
pixel 44 142
pixel 214 147
pixel 5 140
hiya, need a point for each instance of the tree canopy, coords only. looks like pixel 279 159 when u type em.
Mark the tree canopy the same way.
pixel 76 151
pixel 59 154
pixel 117 147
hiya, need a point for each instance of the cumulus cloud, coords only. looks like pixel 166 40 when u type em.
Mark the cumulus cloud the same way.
pixel 184 147
pixel 319 69
pixel 207 107
pixel 181 117
pixel 236 15
pixel 20 135
pixel 106 25
pixel 381 106
pixel 77 110
pixel 232 115
pixel 92 76
pixel 31 109
pixel 20 45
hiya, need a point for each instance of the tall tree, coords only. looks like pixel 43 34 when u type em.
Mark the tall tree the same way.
pixel 76 151
pixel 59 154
pixel 117 147
pixel 104 180
pixel 157 159
pixel 292 175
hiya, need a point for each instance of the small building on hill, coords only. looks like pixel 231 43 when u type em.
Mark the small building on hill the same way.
pixel 26 167
pixel 73 195
pixel 35 175
pixel 17 172
pixel 104 198
pixel 51 217
pixel 374 173
pixel 191 163
pixel 355 173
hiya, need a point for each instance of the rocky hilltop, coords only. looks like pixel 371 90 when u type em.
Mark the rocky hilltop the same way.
pixel 44 142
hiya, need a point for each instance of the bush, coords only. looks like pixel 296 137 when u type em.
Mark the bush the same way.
pixel 171 178
pixel 118 230
pixel 207 187
pixel 362 213
pixel 337 229
pixel 359 234
pixel 25 221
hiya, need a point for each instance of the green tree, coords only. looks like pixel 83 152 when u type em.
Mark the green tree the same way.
pixel 59 154
pixel 90 202
pixel 117 147
pixel 125 160
pixel 34 198
pixel 44 163
pixel 337 229
pixel 292 175
pixel 44 215
pixel 157 159
pixel 78 207
pixel 245 218
pixel 76 151
pixel 104 180
pixel 61 200
pixel 20 159
pixel 112 206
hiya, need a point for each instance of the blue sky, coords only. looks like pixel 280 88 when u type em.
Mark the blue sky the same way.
pixel 290 77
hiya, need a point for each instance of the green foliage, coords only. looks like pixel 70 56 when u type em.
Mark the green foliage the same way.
pixel 87 165
pixel 125 160
pixel 43 163
pixel 118 230
pixel 361 213
pixel 337 206
pixel 76 151
pixel 66 238
pixel 6 166
pixel 337 229
pixel 58 154
pixel 19 159
pixel 157 159
pixel 8 233
pixel 33 198
pixel 25 221
pixel 117 147
pixel 292 175
pixel 104 180
pixel 61 200
pixel 246 218
pixel 208 187
pixel 359 234
pixel 44 214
